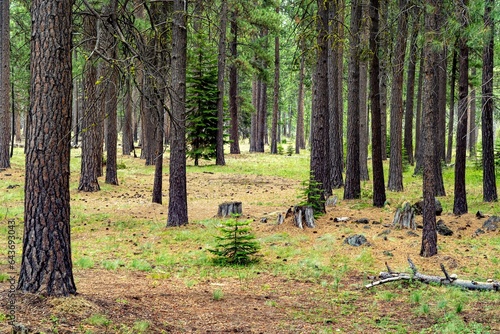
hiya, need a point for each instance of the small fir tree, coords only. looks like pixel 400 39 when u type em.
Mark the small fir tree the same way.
pixel 236 245
pixel 202 95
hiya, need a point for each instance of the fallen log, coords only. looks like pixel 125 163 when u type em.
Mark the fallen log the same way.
pixel 390 276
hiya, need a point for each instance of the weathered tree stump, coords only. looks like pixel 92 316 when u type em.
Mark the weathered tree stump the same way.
pixel 303 214
pixel 405 217
pixel 229 209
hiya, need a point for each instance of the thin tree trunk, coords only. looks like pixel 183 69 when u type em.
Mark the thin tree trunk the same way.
pixel 430 116
pixel 384 66
pixel 363 91
pixel 379 196
pixel 221 66
pixel 442 105
pixel 112 104
pixel 410 90
pixel 395 182
pixel 46 265
pixel 471 126
pixel 274 125
pixel 334 94
pixel 233 88
pixel 177 206
pixel 451 118
pixel 128 137
pixel 319 117
pixel 489 181
pixel 352 189
pixel 460 198
pixel 91 120
pixel 5 116
pixel 418 119
pixel 300 142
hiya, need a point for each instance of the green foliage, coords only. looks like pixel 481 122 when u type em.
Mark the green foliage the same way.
pixel 281 150
pixel 313 194
pixel 236 245
pixel 289 150
pixel 202 96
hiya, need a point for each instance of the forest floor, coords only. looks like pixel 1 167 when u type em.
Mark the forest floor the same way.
pixel 308 281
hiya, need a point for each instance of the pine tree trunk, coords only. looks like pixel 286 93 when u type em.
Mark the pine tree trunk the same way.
pixel 5 117
pixel 395 182
pixel 319 117
pixel 46 265
pixel 377 165
pixel 334 93
pixel 429 115
pixel 384 66
pixel 221 66
pixel 274 125
pixel 410 89
pixel 233 89
pixel 352 187
pixel 460 199
pixel 451 118
pixel 363 90
pixel 489 181
pixel 418 119
pixel 91 119
pixel 300 142
pixel 111 102
pixel 471 126
pixel 177 206
pixel 128 137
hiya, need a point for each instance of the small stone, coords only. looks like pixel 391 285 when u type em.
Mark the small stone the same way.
pixel 362 221
pixel 491 224
pixel 412 234
pixel 367 227
pixel 443 229
pixel 479 231
pixel 356 240
pixel 479 215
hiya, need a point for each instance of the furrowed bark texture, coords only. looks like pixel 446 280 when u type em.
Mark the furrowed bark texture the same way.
pixel 46 260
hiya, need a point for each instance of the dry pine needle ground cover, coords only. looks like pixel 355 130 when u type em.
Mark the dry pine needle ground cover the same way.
pixel 135 276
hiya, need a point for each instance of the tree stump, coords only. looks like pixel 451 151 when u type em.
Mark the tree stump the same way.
pixel 405 217
pixel 229 209
pixel 303 214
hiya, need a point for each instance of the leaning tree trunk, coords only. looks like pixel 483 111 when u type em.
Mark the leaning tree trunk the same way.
pixel 489 180
pixel 46 265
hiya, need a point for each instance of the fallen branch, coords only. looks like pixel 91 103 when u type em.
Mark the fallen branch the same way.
pixel 390 276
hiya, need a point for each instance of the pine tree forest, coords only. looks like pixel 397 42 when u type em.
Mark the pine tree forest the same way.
pixel 357 135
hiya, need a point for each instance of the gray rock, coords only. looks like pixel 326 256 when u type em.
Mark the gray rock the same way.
pixel 412 234
pixel 419 207
pixel 479 231
pixel 443 229
pixel 362 221
pixel 492 223
pixel 356 240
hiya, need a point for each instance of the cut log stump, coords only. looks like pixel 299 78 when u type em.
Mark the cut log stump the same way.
pixel 230 209
pixel 303 215
pixel 405 217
